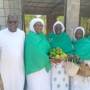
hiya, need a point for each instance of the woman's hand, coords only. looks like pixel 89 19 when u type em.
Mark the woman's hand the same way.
pixel 56 61
pixel 76 57
pixel 69 57
pixel 73 57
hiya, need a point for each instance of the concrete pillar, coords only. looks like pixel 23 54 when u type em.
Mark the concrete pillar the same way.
pixel 10 6
pixel 72 15
pixel 51 19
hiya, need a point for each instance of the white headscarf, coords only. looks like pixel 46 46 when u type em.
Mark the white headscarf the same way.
pixel 33 21
pixel 58 22
pixel 81 28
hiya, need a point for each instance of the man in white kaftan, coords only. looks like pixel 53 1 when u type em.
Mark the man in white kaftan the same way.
pixel 11 52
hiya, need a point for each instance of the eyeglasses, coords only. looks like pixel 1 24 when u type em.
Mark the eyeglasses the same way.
pixel 10 22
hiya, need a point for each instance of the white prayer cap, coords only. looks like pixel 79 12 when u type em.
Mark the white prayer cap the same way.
pixel 81 28
pixel 33 21
pixel 58 22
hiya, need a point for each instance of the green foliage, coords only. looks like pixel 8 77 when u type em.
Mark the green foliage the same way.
pixel 60 18
pixel 85 22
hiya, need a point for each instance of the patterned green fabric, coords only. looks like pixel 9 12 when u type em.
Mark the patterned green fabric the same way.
pixel 62 40
pixel 36 50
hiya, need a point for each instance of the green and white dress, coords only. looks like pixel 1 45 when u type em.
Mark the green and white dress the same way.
pixel 82 49
pixel 37 64
pixel 60 81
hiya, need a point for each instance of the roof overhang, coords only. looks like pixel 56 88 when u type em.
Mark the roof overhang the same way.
pixel 52 7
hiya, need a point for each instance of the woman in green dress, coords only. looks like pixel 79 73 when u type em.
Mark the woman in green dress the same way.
pixel 58 38
pixel 82 50
pixel 37 63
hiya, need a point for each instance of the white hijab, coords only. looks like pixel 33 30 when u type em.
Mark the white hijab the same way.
pixel 58 22
pixel 33 21
pixel 81 28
